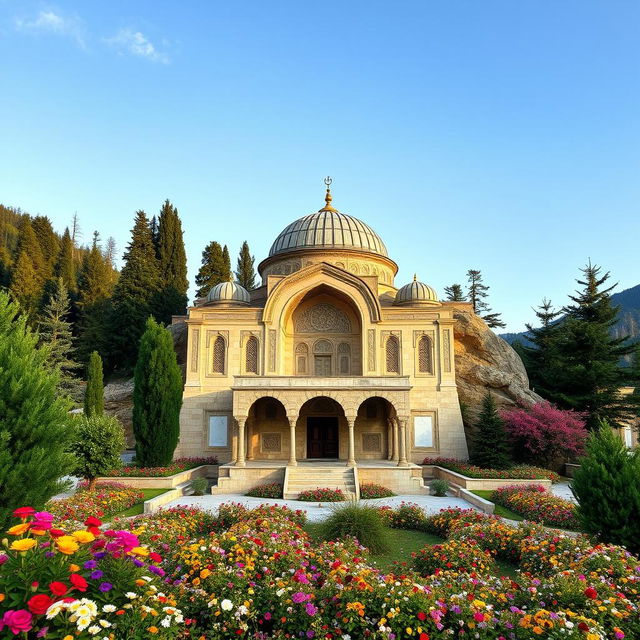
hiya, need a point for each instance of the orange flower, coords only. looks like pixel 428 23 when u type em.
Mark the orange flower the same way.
pixel 153 629
pixel 23 544
pixel 19 529
pixel 73 568
pixel 67 545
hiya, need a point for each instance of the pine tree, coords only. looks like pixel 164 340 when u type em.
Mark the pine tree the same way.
pixel 172 299
pixel 65 267
pixel 477 292
pixel 607 488
pixel 49 243
pixel 227 275
pixel 25 286
pixel 490 444
pixel 454 293
pixel 245 271
pixel 133 295
pixel 213 270
pixel 94 393
pixel 34 419
pixel 55 332
pixel 588 373
pixel 157 397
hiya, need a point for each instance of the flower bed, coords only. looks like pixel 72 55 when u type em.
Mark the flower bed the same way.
pixel 322 495
pixel 176 466
pixel 107 498
pixel 456 555
pixel 272 490
pixel 536 504
pixel 519 472
pixel 371 490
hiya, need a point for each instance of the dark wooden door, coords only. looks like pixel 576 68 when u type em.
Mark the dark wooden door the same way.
pixel 322 438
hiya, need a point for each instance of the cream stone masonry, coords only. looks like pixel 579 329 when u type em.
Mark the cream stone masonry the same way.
pixel 326 360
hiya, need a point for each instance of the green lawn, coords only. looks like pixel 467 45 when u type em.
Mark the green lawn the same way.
pixel 138 508
pixel 404 543
pixel 501 511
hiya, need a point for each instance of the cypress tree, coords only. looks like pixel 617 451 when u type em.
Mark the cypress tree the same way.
pixel 172 299
pixel 607 488
pixel 55 332
pixel 34 420
pixel 245 271
pixel 213 270
pixel 226 276
pixel 65 267
pixel 490 444
pixel 157 397
pixel 94 393
pixel 477 292
pixel 454 293
pixel 133 295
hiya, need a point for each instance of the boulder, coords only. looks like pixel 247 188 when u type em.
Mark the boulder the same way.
pixel 486 362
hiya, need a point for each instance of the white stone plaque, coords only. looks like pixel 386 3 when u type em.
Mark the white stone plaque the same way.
pixel 423 431
pixel 218 432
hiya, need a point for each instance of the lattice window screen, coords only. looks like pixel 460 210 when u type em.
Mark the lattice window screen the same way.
pixel 425 362
pixel 344 351
pixel 218 355
pixel 393 355
pixel 251 355
pixel 301 357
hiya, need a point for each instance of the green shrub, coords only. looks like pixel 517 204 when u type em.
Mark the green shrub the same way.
pixel 97 444
pixel 94 393
pixel 490 447
pixel 453 555
pixel 407 516
pixel 199 486
pixel 439 487
pixel 371 490
pixel 360 521
pixel 607 488
pixel 271 490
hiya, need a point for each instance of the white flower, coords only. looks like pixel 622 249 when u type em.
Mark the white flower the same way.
pixel 82 623
pixel 346 636
pixel 131 595
pixel 55 609
pixel 104 623
pixel 226 605
pixel 569 624
pixel 94 629
pixel 109 608
pixel 165 622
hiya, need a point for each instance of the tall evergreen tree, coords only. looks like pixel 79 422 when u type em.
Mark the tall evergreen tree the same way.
pixel 172 298
pixel 157 397
pixel 94 393
pixel 227 276
pixel 49 243
pixel 477 292
pixel 245 271
pixel 454 293
pixel 55 332
pixel 490 448
pixel 34 419
pixel 588 375
pixel 133 295
pixel 65 267
pixel 25 285
pixel 213 270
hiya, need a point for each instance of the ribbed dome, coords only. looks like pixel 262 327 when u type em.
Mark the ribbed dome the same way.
pixel 328 229
pixel 229 292
pixel 416 293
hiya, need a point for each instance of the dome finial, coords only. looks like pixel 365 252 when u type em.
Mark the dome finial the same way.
pixel 415 277
pixel 328 197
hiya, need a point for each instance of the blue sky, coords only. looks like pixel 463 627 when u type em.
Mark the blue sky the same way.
pixel 497 135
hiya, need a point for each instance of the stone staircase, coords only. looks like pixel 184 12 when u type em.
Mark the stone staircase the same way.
pixel 302 478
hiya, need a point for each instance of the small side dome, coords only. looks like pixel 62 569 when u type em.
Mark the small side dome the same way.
pixel 416 293
pixel 229 293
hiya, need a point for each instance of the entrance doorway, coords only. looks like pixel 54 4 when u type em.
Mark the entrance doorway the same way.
pixel 322 437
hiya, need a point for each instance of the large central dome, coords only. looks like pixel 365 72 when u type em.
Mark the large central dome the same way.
pixel 328 229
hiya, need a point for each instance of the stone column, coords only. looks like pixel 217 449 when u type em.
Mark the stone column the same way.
pixel 396 440
pixel 403 462
pixel 292 443
pixel 241 442
pixel 250 431
pixel 390 442
pixel 351 460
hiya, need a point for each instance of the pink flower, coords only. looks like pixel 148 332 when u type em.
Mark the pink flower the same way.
pixel 299 597
pixel 43 516
pixel 17 621
pixel 478 617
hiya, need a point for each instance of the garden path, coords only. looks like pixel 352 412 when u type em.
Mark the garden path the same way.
pixel 562 490
pixel 316 511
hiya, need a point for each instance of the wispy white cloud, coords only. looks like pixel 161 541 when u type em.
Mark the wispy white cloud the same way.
pixel 54 22
pixel 137 44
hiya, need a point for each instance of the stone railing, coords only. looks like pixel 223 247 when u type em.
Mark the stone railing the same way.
pixel 321 382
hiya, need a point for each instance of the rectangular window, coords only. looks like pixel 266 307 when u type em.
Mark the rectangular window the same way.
pixel 423 431
pixel 218 431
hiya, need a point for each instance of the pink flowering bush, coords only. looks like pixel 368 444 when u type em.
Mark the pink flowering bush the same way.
pixel 543 434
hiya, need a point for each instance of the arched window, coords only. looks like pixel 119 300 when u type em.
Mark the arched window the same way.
pixel 251 355
pixel 425 361
pixel 218 355
pixel 392 353
pixel 302 353
pixel 344 358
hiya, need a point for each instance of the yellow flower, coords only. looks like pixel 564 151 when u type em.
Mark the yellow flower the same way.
pixel 18 529
pixel 23 545
pixel 140 551
pixel 83 536
pixel 67 545
pixel 68 637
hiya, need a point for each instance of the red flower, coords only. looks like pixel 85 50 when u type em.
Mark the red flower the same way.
pixel 583 626
pixel 78 582
pixel 590 592
pixel 24 512
pixel 424 636
pixel 58 588
pixel 422 616
pixel 39 604
pixel 156 557
pixel 92 521
pixel 56 533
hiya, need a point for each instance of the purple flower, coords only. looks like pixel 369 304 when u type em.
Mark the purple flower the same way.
pixel 138 563
pixel 99 555
pixel 105 586
pixel 49 554
pixel 96 575
pixel 299 597
pixel 43 632
pixel 90 564
pixel 311 610
pixel 157 570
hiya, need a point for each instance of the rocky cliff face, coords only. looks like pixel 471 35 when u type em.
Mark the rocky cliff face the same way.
pixel 118 401
pixel 486 362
